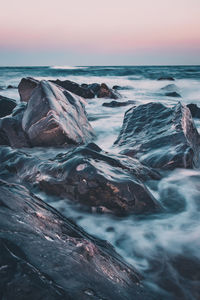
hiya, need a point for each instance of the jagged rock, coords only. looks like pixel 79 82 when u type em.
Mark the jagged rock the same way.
pixel 55 117
pixel 87 176
pixel 6 106
pixel 160 136
pixel 118 104
pixel 194 109
pixel 11 132
pixel 88 91
pixel 45 256
pixel 105 92
pixel 26 87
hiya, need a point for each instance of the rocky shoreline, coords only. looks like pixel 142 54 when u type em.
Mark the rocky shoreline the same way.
pixel 44 255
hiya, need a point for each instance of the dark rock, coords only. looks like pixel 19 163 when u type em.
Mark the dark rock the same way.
pixel 121 88
pixel 6 106
pixel 118 104
pixel 170 78
pixel 11 87
pixel 160 136
pixel 173 94
pixel 88 91
pixel 11 132
pixel 194 109
pixel 83 91
pixel 45 256
pixel 106 92
pixel 55 117
pixel 87 176
pixel 26 87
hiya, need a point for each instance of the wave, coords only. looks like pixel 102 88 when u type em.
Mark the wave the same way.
pixel 67 67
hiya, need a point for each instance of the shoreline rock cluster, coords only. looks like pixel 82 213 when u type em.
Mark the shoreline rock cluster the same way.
pixel 45 255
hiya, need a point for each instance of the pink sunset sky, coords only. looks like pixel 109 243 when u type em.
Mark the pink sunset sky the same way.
pixel 92 32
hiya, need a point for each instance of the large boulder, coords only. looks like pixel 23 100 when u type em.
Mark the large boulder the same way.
pixel 87 176
pixel 45 256
pixel 6 106
pixel 55 117
pixel 11 132
pixel 26 87
pixel 160 136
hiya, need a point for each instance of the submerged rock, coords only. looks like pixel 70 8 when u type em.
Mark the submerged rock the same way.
pixel 87 176
pixel 26 87
pixel 160 136
pixel 118 104
pixel 170 88
pixel 45 256
pixel 6 106
pixel 194 109
pixel 173 94
pixel 55 117
pixel 165 77
pixel 11 87
pixel 121 88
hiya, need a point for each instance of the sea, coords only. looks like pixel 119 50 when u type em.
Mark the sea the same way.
pixel 166 244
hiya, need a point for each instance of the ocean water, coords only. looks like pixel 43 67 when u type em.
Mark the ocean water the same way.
pixel 158 246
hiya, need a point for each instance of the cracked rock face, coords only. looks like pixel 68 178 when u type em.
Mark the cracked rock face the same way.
pixel 46 256
pixel 55 117
pixel 160 136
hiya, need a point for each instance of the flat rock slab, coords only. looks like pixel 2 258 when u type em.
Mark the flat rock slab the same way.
pixel 45 256
pixel 55 117
pixel 160 136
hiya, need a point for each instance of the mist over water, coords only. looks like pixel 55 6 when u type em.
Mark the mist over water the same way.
pixel 158 244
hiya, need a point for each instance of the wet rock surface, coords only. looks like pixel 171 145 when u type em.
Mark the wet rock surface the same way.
pixel 26 87
pixel 11 132
pixel 46 256
pixel 55 117
pixel 118 103
pixel 87 176
pixel 87 91
pixel 194 109
pixel 6 106
pixel 160 136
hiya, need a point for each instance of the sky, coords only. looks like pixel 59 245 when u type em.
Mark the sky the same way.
pixel 94 32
